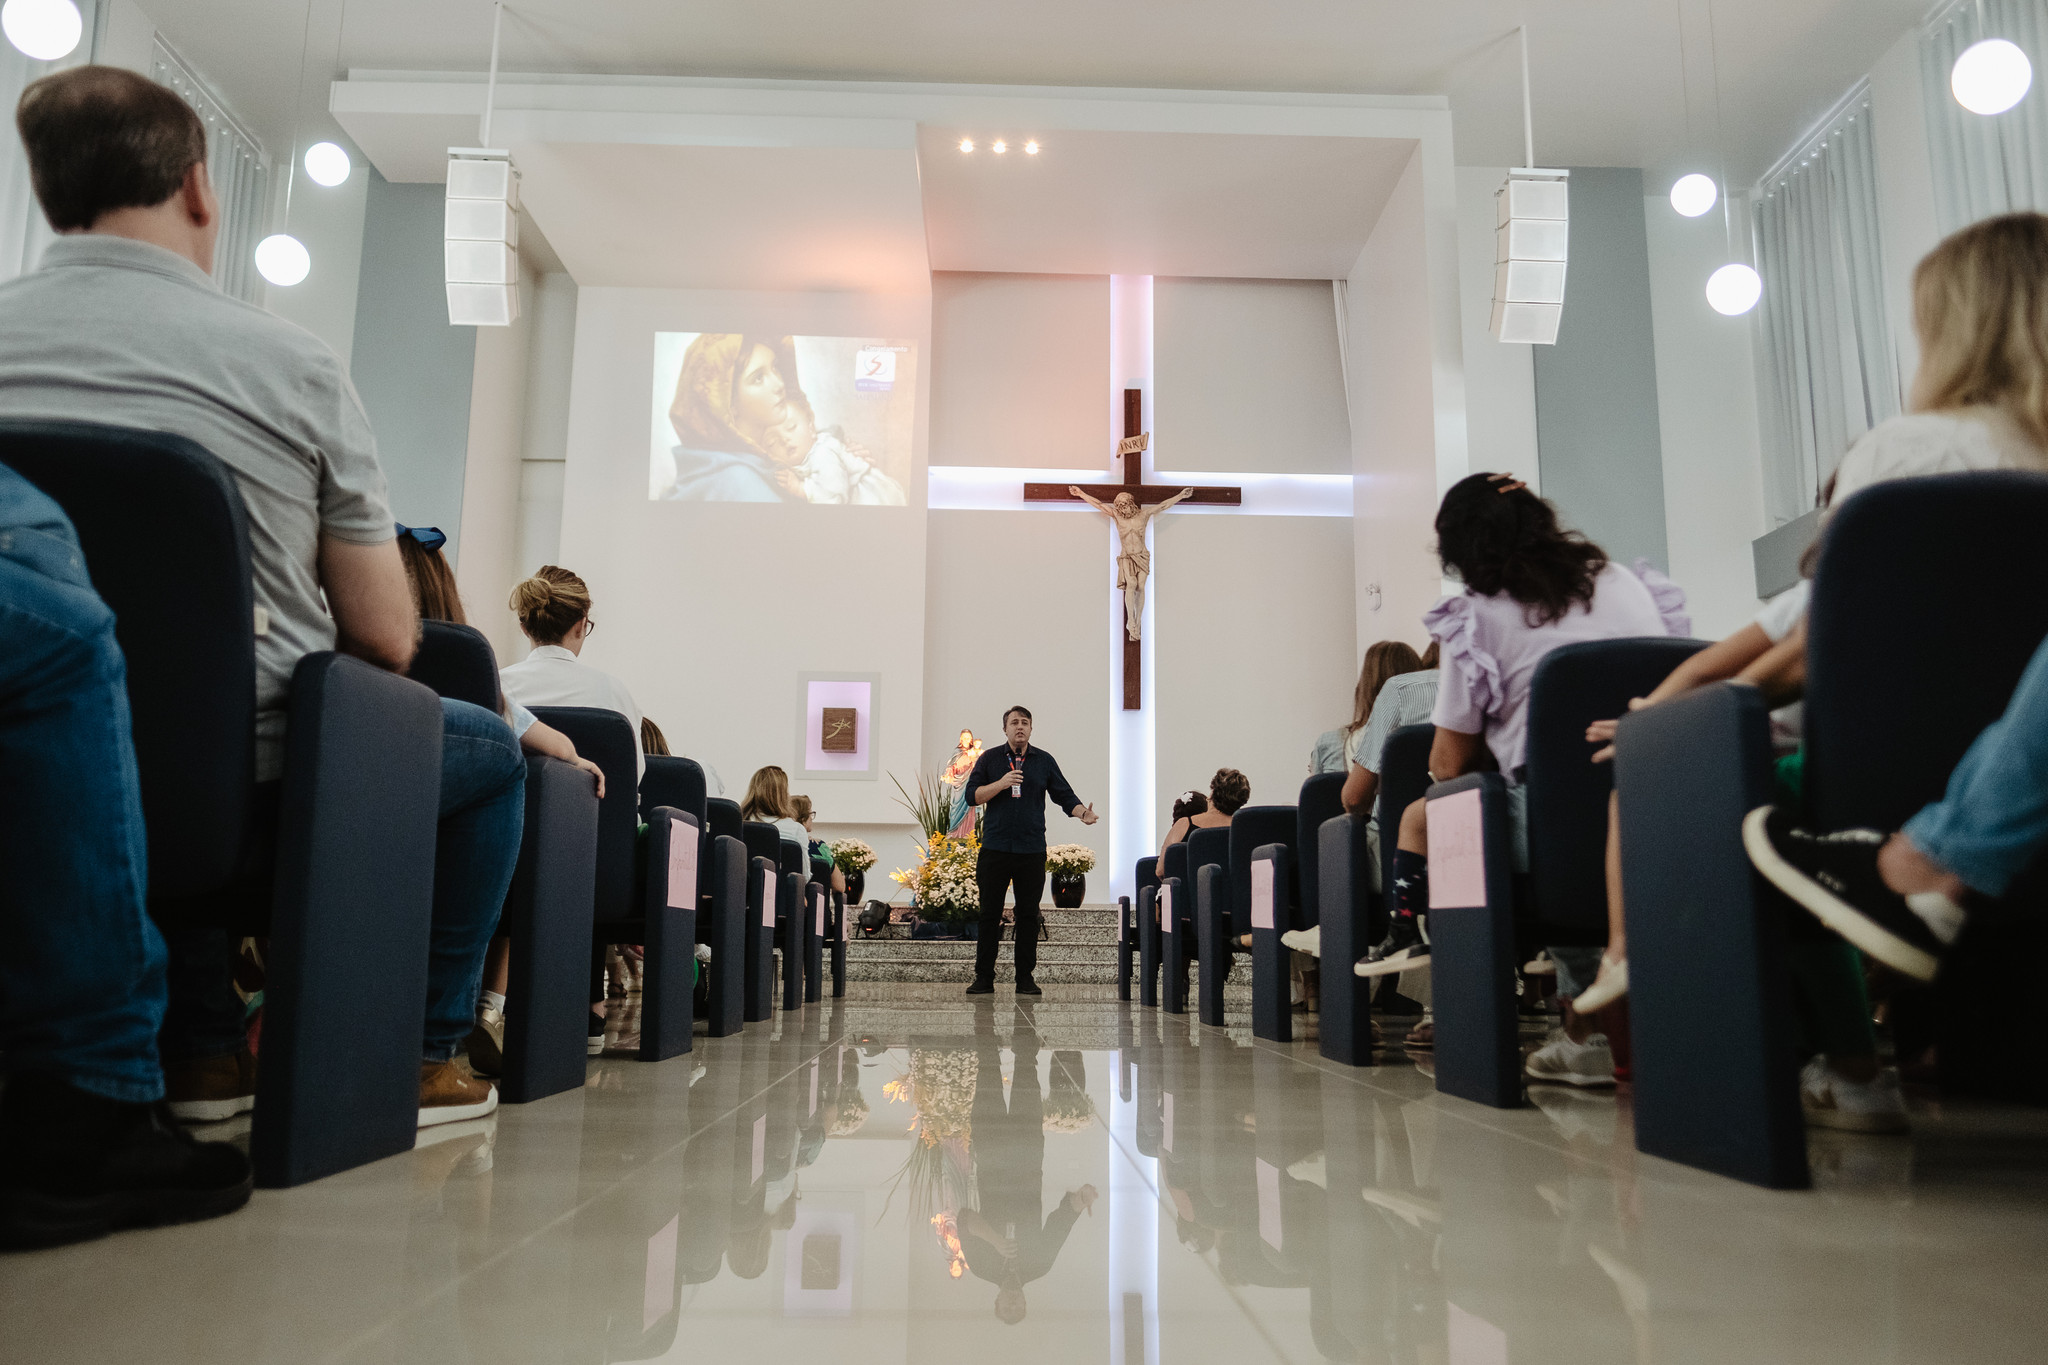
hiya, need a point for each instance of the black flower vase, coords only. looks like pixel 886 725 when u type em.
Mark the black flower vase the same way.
pixel 1068 888
pixel 856 883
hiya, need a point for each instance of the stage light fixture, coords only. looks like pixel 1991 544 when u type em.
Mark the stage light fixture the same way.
pixel 1991 76
pixel 1532 232
pixel 282 259
pixel 46 30
pixel 966 144
pixel 1734 289
pixel 327 164
pixel 1031 147
pixel 1692 195
pixel 481 238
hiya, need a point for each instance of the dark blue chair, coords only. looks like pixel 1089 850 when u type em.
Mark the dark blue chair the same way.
pixel 335 862
pixel 792 924
pixel 1147 915
pixel 1251 829
pixel 548 908
pixel 1482 914
pixel 1208 861
pixel 1322 798
pixel 1344 1032
pixel 1176 933
pixel 1404 780
pixel 670 780
pixel 633 903
pixel 764 855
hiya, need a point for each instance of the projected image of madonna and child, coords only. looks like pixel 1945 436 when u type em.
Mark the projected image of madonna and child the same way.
pixel 743 418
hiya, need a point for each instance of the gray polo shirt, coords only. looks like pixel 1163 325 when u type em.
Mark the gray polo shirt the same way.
pixel 120 332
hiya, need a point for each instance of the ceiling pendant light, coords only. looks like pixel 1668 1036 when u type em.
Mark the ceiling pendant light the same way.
pixel 1734 289
pixel 327 163
pixel 1692 195
pixel 47 30
pixel 282 259
pixel 1991 76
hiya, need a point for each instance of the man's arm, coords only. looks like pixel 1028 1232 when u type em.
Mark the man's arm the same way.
pixel 371 604
pixel 1454 753
pixel 1063 796
pixel 981 793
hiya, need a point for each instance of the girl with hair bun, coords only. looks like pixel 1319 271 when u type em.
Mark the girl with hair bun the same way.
pixel 553 607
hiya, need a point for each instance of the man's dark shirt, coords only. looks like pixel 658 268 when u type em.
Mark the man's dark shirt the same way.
pixel 1012 823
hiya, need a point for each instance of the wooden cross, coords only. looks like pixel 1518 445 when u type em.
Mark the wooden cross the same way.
pixel 1132 450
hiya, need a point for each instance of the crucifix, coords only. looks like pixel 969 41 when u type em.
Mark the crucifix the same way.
pixel 1146 500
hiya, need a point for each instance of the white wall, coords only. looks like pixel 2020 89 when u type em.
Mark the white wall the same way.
pixel 1396 460
pixel 1255 649
pixel 1905 189
pixel 714 609
pixel 1020 371
pixel 1248 377
pixel 1013 610
pixel 1707 412
pixel 544 433
pixel 487 568
pixel 1500 377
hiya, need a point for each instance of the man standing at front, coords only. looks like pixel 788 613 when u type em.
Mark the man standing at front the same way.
pixel 1012 782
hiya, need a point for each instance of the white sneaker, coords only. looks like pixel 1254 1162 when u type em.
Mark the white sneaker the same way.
pixel 1609 986
pixel 703 952
pixel 1583 1064
pixel 1832 1100
pixel 1308 941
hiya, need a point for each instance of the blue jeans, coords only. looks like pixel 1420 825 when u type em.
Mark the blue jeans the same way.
pixel 483 810
pixel 1993 818
pixel 81 966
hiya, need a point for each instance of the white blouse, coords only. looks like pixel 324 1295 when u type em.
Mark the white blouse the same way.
pixel 552 676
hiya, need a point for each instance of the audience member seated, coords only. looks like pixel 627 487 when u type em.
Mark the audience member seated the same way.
pixel 123 325
pixel 768 801
pixel 1393 674
pixel 87 1143
pixel 1229 789
pixel 1327 756
pixel 807 815
pixel 553 608
pixel 1530 587
pixel 435 595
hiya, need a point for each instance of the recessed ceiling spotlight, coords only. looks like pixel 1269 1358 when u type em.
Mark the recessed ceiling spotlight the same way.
pixel 999 146
pixel 966 144
pixel 1031 147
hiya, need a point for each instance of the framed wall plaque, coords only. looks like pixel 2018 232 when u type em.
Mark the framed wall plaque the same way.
pixel 839 730
pixel 837 719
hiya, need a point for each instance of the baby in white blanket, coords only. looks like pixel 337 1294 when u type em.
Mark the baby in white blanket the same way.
pixel 832 472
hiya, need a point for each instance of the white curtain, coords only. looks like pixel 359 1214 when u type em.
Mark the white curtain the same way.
pixel 1985 165
pixel 24 232
pixel 240 172
pixel 1826 352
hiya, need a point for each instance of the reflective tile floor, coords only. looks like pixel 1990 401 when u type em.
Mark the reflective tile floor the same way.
pixel 905 1176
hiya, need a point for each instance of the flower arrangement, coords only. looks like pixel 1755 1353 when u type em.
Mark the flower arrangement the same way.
pixel 1068 1111
pixel 852 855
pixel 940 1173
pixel 932 807
pixel 1069 858
pixel 943 880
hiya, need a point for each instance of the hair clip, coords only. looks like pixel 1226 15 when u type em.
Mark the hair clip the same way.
pixel 429 537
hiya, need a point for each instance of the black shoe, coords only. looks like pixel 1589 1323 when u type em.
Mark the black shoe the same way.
pixel 75 1166
pixel 1403 949
pixel 982 988
pixel 594 1035
pixel 1028 988
pixel 1835 877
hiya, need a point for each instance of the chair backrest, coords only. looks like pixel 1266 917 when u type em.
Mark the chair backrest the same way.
pixel 1322 798
pixel 1251 827
pixel 606 739
pixel 678 782
pixel 1174 862
pixel 794 857
pixel 763 840
pixel 1574 686
pixel 724 819
pixel 1404 777
pixel 1930 596
pixel 1206 847
pixel 166 541
pixel 457 662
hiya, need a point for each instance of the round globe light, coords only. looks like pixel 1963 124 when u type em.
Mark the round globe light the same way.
pixel 43 29
pixel 1692 195
pixel 1991 77
pixel 281 258
pixel 327 164
pixel 1734 290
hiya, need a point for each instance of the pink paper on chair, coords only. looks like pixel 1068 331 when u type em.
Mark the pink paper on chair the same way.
pixel 1269 1204
pixel 1457 852
pixel 682 865
pixel 1166 1120
pixel 1165 910
pixel 818 906
pixel 760 1146
pixel 767 898
pixel 1262 893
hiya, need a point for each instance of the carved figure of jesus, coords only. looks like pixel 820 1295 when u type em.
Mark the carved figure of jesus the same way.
pixel 1133 560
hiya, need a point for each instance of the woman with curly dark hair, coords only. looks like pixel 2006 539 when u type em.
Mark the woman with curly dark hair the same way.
pixel 1530 586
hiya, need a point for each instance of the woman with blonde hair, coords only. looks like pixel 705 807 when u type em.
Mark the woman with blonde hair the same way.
pixel 768 801
pixel 553 608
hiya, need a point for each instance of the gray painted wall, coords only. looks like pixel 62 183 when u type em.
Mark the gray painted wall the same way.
pixel 412 369
pixel 1598 441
